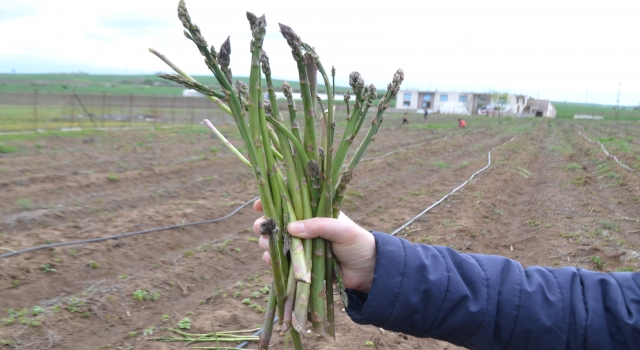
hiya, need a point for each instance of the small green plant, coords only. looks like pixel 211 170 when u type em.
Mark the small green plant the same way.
pixel 113 177
pixel 149 331
pixel 596 260
pixel 6 342
pixel 253 239
pixel 185 323
pixel 533 223
pixel 15 283
pixel 123 276
pixel 72 253
pixel 144 295
pixel 368 343
pixel 165 317
pixel 47 268
pixel 140 295
pixel 441 165
pixel 94 264
pixel 7 149
pixel 236 294
pixel 188 254
pixel 573 166
pixel 74 304
pixel 569 235
pixel 37 310
pixel 189 313
pixel 133 334
pixel 626 269
pixel 25 203
pixel 246 301
pixel 213 149
pixel 427 239
pixel 608 225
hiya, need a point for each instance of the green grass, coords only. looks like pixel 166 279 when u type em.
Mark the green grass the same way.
pixel 566 110
pixel 439 164
pixel 573 166
pixel 47 134
pixel 139 85
pixel 25 203
pixel 433 126
pixel 618 144
pixel 7 149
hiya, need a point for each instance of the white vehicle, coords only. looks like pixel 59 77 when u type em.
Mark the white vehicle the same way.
pixel 492 109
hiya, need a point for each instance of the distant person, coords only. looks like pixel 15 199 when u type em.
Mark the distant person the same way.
pixel 404 119
pixel 461 123
pixel 426 115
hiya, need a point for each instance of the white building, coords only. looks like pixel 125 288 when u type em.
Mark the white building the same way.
pixel 469 103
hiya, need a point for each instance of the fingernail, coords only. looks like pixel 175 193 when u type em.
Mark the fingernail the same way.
pixel 295 228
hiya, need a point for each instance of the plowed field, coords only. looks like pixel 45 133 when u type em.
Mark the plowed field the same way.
pixel 550 197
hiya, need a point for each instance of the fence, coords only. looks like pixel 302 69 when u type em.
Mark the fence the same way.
pixel 54 111
pixel 38 111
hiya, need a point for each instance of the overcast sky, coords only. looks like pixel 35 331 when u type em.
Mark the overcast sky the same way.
pixel 559 49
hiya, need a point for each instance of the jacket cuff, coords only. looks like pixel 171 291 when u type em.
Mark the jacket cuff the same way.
pixel 377 307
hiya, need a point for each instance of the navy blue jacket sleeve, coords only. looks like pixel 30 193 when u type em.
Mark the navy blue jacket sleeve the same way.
pixel 491 302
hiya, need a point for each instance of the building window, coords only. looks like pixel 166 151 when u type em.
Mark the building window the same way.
pixel 463 98
pixel 444 97
pixel 406 103
pixel 502 100
pixel 426 98
pixel 407 96
pixel 426 104
pixel 482 99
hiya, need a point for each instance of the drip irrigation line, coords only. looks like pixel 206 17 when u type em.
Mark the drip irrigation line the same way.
pixel 244 343
pixel 100 239
pixel 452 192
pixel 607 153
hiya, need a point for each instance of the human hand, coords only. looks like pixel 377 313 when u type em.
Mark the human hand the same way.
pixel 353 246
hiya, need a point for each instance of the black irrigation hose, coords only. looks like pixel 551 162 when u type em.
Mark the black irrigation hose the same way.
pixel 122 235
pixel 452 192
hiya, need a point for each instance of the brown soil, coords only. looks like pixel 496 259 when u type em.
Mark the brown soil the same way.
pixel 549 198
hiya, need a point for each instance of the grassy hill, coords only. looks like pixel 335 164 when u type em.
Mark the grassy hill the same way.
pixel 145 85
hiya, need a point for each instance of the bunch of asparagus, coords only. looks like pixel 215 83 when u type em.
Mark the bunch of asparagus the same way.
pixel 299 176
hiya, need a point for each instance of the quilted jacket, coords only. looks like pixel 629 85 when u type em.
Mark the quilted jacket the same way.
pixel 491 302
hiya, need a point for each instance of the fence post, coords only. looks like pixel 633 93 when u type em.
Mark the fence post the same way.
pixel 104 104
pixel 155 109
pixel 130 109
pixel 35 110
pixel 73 111
pixel 193 110
pixel 173 110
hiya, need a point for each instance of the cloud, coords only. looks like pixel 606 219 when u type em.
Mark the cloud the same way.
pixel 11 10
pixel 132 24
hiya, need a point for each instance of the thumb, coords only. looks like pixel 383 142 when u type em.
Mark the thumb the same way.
pixel 335 230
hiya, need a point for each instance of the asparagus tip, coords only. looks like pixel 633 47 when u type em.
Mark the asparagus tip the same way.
pixel 264 59
pixel 314 168
pixel 224 58
pixel 356 82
